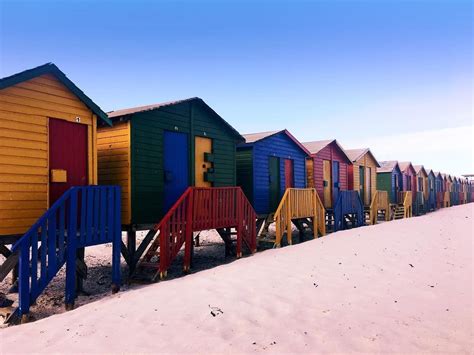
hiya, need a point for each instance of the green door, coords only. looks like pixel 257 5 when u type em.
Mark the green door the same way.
pixel 274 176
pixel 362 182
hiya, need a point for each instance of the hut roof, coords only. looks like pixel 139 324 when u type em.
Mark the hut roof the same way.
pixel 115 115
pixel 387 166
pixel 251 138
pixel 50 68
pixel 404 165
pixel 420 168
pixel 356 154
pixel 315 147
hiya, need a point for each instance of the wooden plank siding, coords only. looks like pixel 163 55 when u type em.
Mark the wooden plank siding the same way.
pixel 113 149
pixel 367 161
pixel 25 109
pixel 332 153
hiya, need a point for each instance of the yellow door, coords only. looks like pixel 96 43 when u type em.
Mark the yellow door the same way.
pixel 204 165
pixel 327 183
pixel 309 173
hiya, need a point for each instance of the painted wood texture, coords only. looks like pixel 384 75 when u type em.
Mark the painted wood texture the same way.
pixel 279 146
pixel 113 149
pixel 332 153
pixel 25 109
pixel 365 161
pixel 203 145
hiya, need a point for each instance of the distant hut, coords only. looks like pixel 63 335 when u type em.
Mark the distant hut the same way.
pixel 420 205
pixel 389 178
pixel 363 173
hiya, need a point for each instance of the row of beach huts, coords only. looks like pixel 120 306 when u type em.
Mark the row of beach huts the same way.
pixel 73 176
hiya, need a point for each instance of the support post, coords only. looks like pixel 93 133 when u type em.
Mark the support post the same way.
pixel 24 281
pixel 116 242
pixel 71 245
pixel 188 242
pixel 131 249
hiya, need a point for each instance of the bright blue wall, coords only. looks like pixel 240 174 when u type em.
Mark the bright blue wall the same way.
pixel 278 145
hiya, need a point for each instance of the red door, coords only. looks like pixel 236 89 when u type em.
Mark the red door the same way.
pixel 289 181
pixel 67 151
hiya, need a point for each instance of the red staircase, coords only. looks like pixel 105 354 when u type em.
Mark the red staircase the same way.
pixel 196 210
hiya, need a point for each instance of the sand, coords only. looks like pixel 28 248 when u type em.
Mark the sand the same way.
pixel 404 286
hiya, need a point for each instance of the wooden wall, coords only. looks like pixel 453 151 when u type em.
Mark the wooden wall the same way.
pixel 367 161
pixel 25 109
pixel 113 149
pixel 332 153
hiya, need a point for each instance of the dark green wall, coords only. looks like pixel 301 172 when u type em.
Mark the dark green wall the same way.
pixel 147 153
pixel 245 171
pixel 384 183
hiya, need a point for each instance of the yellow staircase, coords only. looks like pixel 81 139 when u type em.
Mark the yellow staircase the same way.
pixel 380 202
pixel 297 205
pixel 405 209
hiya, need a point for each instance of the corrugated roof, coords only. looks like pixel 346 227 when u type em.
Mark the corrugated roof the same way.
pixel 254 137
pixel 114 115
pixel 387 166
pixel 404 165
pixel 315 147
pixel 251 138
pixel 51 68
pixel 356 154
pixel 419 168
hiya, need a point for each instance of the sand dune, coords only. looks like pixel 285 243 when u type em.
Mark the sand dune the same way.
pixel 404 286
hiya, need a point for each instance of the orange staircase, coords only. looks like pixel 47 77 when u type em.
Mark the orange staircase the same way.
pixel 198 209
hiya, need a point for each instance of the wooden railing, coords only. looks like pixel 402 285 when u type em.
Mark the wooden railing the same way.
pixel 350 204
pixel 299 204
pixel 446 199
pixel 82 216
pixel 196 210
pixel 408 203
pixel 380 202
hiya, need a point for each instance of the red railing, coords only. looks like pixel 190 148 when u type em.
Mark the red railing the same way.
pixel 196 210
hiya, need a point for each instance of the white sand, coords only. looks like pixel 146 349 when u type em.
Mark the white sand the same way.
pixel 352 291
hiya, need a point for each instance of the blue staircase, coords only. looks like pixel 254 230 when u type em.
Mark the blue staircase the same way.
pixel 348 211
pixel 81 217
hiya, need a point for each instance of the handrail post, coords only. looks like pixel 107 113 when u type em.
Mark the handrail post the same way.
pixel 289 237
pixel 239 225
pixel 24 282
pixel 315 213
pixel 71 247
pixel 117 238
pixel 188 232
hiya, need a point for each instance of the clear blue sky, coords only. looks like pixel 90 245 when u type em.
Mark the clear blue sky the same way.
pixel 353 70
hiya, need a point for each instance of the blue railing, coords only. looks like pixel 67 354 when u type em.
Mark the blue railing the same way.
pixel 81 217
pixel 348 205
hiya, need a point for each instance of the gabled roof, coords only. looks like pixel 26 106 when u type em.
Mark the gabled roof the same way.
pixel 430 171
pixel 315 147
pixel 446 176
pixel 388 166
pixel 117 114
pixel 50 68
pixel 356 154
pixel 252 138
pixel 419 168
pixel 404 165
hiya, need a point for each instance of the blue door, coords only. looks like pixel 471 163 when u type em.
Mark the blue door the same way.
pixel 175 166
pixel 335 180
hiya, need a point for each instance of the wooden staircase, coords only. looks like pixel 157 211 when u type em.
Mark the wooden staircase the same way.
pixel 304 209
pixel 404 209
pixel 379 208
pixel 225 209
pixel 81 217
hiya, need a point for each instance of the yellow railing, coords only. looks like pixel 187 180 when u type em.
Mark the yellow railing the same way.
pixel 298 204
pixel 380 202
pixel 446 199
pixel 408 203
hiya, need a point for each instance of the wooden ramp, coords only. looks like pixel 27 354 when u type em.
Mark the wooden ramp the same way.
pixel 299 206
pixel 198 209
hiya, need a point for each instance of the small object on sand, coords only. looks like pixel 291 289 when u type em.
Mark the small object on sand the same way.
pixel 315 284
pixel 411 265
pixel 215 311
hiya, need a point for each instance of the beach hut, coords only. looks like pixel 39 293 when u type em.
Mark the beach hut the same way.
pixel 327 170
pixel 268 164
pixel 431 190
pixel 447 189
pixel 456 189
pixel 48 142
pixel 363 173
pixel 389 178
pixel 422 191
pixel 165 156
pixel 440 187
